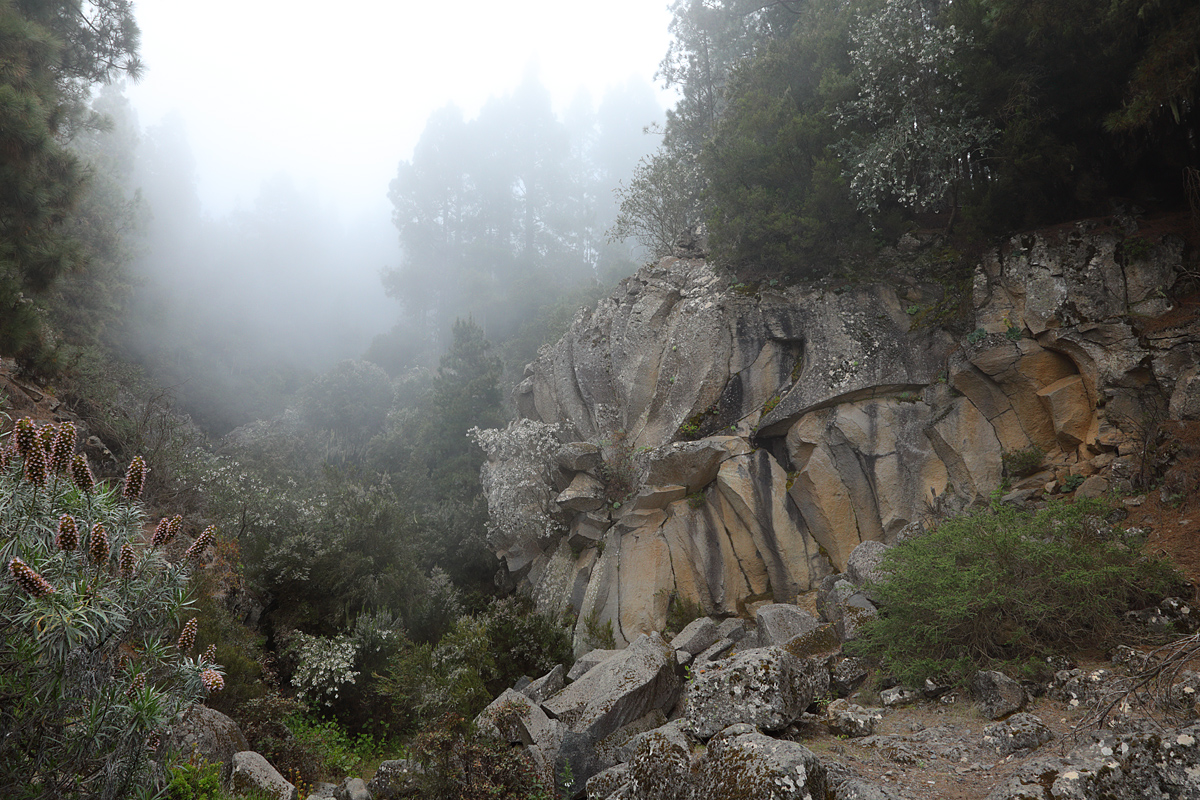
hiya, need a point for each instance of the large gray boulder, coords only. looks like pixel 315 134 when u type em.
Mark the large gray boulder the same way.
pixel 766 687
pixel 253 773
pixel 697 636
pixel 779 623
pixel 208 734
pixel 742 764
pixel 997 694
pixel 661 769
pixel 616 693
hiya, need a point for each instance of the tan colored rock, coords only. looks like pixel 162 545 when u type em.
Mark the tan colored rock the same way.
pixel 585 493
pixel 1071 413
pixel 693 465
pixel 967 445
pixel 645 580
pixel 651 497
pixel 704 566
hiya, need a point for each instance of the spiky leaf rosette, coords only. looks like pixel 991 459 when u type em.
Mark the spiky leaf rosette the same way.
pixel 29 580
pixel 81 474
pixel 68 533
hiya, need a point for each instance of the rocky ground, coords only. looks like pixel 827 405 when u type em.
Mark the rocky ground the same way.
pixel 941 748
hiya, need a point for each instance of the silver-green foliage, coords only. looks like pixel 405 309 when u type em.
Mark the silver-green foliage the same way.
pixel 91 672
pixel 913 127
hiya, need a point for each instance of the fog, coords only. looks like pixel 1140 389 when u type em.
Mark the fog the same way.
pixel 268 137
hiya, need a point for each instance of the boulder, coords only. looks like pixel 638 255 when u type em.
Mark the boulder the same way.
pixel 547 685
pixel 697 636
pixel 516 719
pixel 209 735
pixel 661 766
pixel 252 773
pixel 766 687
pixel 605 784
pixel 844 718
pixel 732 629
pixel 779 623
pixel 693 465
pixel 593 658
pixel 579 457
pixel 1019 732
pixel 741 764
pixel 997 694
pixel 863 566
pixel 899 696
pixel 622 689
pixel 394 779
pixel 354 789
pixel 586 493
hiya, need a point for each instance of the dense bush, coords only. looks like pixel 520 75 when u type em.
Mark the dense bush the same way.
pixel 460 764
pixel 91 669
pixel 1007 586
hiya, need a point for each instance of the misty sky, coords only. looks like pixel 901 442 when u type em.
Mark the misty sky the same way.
pixel 336 95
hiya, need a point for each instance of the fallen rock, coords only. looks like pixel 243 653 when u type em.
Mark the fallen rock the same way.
pixel 844 718
pixel 1138 765
pixel 697 636
pixel 997 694
pixel 661 768
pixel 899 696
pixel 252 773
pixel 1019 732
pixel 743 764
pixel 779 623
pixel 765 687
pixel 547 685
pixel 613 694
pixel 210 735
pixel 585 662
pixel 516 719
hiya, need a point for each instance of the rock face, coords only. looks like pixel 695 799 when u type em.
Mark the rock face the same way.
pixel 724 445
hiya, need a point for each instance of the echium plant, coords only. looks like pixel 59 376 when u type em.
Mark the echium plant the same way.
pixel 93 668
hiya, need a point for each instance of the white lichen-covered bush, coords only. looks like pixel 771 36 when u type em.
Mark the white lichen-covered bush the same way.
pixel 325 666
pixel 517 482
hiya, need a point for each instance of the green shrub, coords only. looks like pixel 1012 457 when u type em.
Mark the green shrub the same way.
pixel 461 764
pixel 599 634
pixel 681 612
pixel 195 782
pixel 94 667
pixel 1003 586
pixel 1020 463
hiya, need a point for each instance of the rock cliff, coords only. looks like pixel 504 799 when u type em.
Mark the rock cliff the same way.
pixel 723 444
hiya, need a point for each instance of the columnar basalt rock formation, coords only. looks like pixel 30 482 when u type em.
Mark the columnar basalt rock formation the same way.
pixel 724 444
